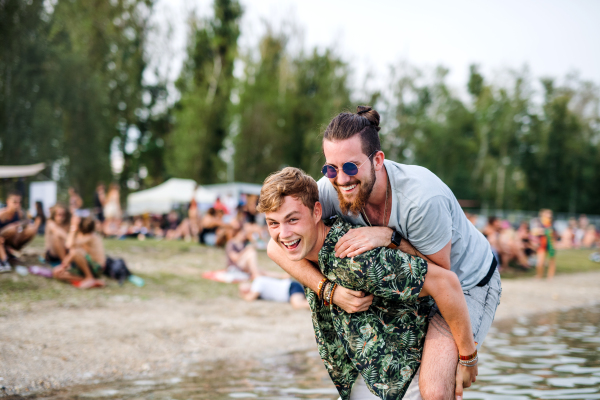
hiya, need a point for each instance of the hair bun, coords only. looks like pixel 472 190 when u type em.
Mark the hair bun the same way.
pixel 370 114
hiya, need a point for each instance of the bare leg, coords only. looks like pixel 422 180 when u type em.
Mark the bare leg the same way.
pixel 248 261
pixel 541 258
pixel 551 267
pixel 3 255
pixel 438 366
pixel 298 301
pixel 78 257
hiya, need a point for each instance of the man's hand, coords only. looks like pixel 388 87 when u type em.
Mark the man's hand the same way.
pixel 351 301
pixel 359 240
pixel 464 377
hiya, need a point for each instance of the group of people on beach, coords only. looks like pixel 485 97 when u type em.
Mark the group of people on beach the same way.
pixel 72 245
pixel 536 241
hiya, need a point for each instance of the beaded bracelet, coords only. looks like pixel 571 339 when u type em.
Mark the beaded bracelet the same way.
pixel 327 294
pixel 469 357
pixel 320 288
pixel 335 285
pixel 470 363
pixel 330 293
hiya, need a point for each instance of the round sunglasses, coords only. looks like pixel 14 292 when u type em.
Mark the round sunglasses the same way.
pixel 349 168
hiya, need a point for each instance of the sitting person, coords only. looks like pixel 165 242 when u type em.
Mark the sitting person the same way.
pixel 511 247
pixel 55 236
pixel 86 259
pixel 15 230
pixel 242 255
pixel 492 232
pixel 378 351
pixel 211 222
pixel 590 238
pixel 273 289
pixel 171 223
pixel 39 212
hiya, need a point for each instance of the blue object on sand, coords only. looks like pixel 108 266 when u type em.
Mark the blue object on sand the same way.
pixel 136 280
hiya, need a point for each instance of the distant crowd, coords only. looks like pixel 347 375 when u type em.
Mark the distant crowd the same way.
pixel 535 241
pixel 73 245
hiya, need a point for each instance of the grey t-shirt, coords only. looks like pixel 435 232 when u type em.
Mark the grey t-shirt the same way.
pixel 425 212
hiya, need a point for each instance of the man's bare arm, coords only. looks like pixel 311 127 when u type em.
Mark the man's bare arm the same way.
pixel 308 275
pixel 360 240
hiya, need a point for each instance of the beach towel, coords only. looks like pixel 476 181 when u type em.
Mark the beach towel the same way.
pixel 229 275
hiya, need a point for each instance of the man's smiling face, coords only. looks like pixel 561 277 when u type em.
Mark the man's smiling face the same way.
pixel 294 227
pixel 353 191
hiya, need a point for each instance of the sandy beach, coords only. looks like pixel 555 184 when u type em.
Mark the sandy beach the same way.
pixel 53 343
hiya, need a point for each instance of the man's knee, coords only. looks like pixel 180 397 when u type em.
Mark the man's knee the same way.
pixel 436 390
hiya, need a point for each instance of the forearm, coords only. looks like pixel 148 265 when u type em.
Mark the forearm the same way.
pixel 71 238
pixel 303 271
pixel 445 288
pixel 408 248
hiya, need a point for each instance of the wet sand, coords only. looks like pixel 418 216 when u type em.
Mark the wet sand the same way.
pixel 50 345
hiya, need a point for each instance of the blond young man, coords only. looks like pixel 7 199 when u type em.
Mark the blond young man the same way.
pixel 375 353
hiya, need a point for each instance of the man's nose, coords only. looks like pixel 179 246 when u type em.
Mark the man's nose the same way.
pixel 285 231
pixel 342 178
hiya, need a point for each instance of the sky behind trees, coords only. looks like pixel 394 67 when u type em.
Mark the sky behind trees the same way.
pixel 553 38
pixel 224 95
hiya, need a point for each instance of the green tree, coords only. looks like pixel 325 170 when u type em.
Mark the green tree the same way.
pixel 202 115
pixel 285 103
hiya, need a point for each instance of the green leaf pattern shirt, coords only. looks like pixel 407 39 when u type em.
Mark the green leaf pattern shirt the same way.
pixel 384 343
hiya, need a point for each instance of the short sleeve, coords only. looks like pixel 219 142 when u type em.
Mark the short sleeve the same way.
pixel 394 275
pixel 429 227
pixel 325 198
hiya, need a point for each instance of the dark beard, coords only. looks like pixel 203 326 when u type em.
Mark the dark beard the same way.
pixel 365 189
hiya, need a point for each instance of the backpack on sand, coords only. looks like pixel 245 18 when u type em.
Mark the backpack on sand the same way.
pixel 117 269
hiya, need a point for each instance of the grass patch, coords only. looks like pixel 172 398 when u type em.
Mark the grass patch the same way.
pixel 24 291
pixel 567 262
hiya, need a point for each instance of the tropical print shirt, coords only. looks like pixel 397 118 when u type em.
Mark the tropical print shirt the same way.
pixel 385 343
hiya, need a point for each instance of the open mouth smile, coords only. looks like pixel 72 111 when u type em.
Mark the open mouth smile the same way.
pixel 291 244
pixel 347 189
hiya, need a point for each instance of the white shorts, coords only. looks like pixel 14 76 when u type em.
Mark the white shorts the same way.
pixel 361 392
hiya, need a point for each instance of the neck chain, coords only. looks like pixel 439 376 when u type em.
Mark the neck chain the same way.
pixel 384 208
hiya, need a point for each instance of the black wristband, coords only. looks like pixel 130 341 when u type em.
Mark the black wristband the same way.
pixel 396 238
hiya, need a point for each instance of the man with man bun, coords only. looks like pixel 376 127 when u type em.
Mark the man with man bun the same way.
pixel 377 353
pixel 409 208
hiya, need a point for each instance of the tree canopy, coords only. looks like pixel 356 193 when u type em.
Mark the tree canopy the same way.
pixel 73 94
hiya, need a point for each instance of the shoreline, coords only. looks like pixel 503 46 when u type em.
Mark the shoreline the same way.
pixel 50 345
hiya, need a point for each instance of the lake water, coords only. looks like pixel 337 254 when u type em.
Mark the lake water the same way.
pixel 552 356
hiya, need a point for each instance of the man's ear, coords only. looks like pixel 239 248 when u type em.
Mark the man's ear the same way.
pixel 378 160
pixel 318 212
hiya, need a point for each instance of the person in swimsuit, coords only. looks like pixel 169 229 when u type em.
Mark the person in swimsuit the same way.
pixel 282 290
pixel 242 255
pixel 55 236
pixel 86 259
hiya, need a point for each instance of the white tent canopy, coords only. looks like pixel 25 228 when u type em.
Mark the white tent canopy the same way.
pixel 162 198
pixel 229 193
pixel 20 171
pixel 166 196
